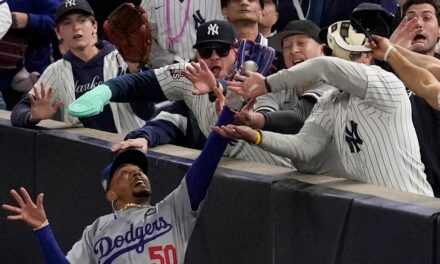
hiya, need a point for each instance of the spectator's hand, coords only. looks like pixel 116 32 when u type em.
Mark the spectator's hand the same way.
pixel 237 132
pixel 201 77
pixel 41 104
pixel 379 46
pixel 219 101
pixel 28 212
pixel 405 33
pixel 247 116
pixel 250 86
pixel 140 143
pixel 19 20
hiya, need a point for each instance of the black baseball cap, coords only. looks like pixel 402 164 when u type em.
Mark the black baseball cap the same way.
pixel 129 156
pixel 215 31
pixel 370 18
pixel 68 6
pixel 295 27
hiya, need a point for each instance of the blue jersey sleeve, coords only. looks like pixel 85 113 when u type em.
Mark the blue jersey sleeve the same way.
pixel 200 173
pixel 51 250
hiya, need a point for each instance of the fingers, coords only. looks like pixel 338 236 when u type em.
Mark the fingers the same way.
pixel 141 143
pixel 40 198
pixel 203 65
pixel 26 196
pixel 36 93
pixel 11 208
pixel 43 90
pixel 17 198
pixel 249 105
pixel 58 103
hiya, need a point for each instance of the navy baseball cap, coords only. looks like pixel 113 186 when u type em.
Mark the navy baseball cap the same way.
pixel 295 27
pixel 370 18
pixel 67 6
pixel 129 156
pixel 215 31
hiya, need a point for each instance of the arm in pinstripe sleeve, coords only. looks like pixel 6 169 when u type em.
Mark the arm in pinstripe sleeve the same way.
pixel 302 147
pixel 345 75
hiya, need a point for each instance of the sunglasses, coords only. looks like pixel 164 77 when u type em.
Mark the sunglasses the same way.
pixel 221 51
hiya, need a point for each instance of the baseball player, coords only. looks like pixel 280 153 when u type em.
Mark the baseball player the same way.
pixel 174 23
pixel 5 18
pixel 136 232
pixel 168 83
pixel 368 114
pixel 87 64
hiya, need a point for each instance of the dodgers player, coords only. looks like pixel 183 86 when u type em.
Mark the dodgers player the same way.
pixel 369 116
pixel 136 232
pixel 174 23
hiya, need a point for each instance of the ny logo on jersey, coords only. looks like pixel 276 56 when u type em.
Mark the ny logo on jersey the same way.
pixel 212 30
pixel 352 137
pixel 70 3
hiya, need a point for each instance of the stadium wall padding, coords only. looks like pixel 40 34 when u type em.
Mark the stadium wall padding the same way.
pixel 248 217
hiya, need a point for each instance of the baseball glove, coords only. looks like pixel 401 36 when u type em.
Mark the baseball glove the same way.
pixel 251 57
pixel 127 28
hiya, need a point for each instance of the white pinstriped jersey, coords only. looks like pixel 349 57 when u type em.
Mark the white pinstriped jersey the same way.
pixel 176 87
pixel 197 12
pixel 59 76
pixel 370 121
pixel 140 235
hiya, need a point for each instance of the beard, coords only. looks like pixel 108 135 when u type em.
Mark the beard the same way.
pixel 146 194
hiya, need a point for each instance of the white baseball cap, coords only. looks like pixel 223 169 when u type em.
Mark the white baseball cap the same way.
pixel 342 39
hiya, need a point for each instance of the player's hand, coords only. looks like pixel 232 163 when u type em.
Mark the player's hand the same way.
pixel 41 104
pixel 201 77
pixel 405 33
pixel 140 143
pixel 237 132
pixel 27 211
pixel 249 86
pixel 247 116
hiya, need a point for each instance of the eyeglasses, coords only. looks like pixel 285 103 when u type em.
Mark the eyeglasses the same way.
pixel 221 51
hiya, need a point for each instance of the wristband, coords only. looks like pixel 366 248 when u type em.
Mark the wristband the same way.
pixel 45 223
pixel 259 138
pixel 387 52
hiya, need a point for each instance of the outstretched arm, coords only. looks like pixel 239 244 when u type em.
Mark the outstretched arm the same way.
pixel 419 80
pixel 200 173
pixel 343 74
pixel 34 215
